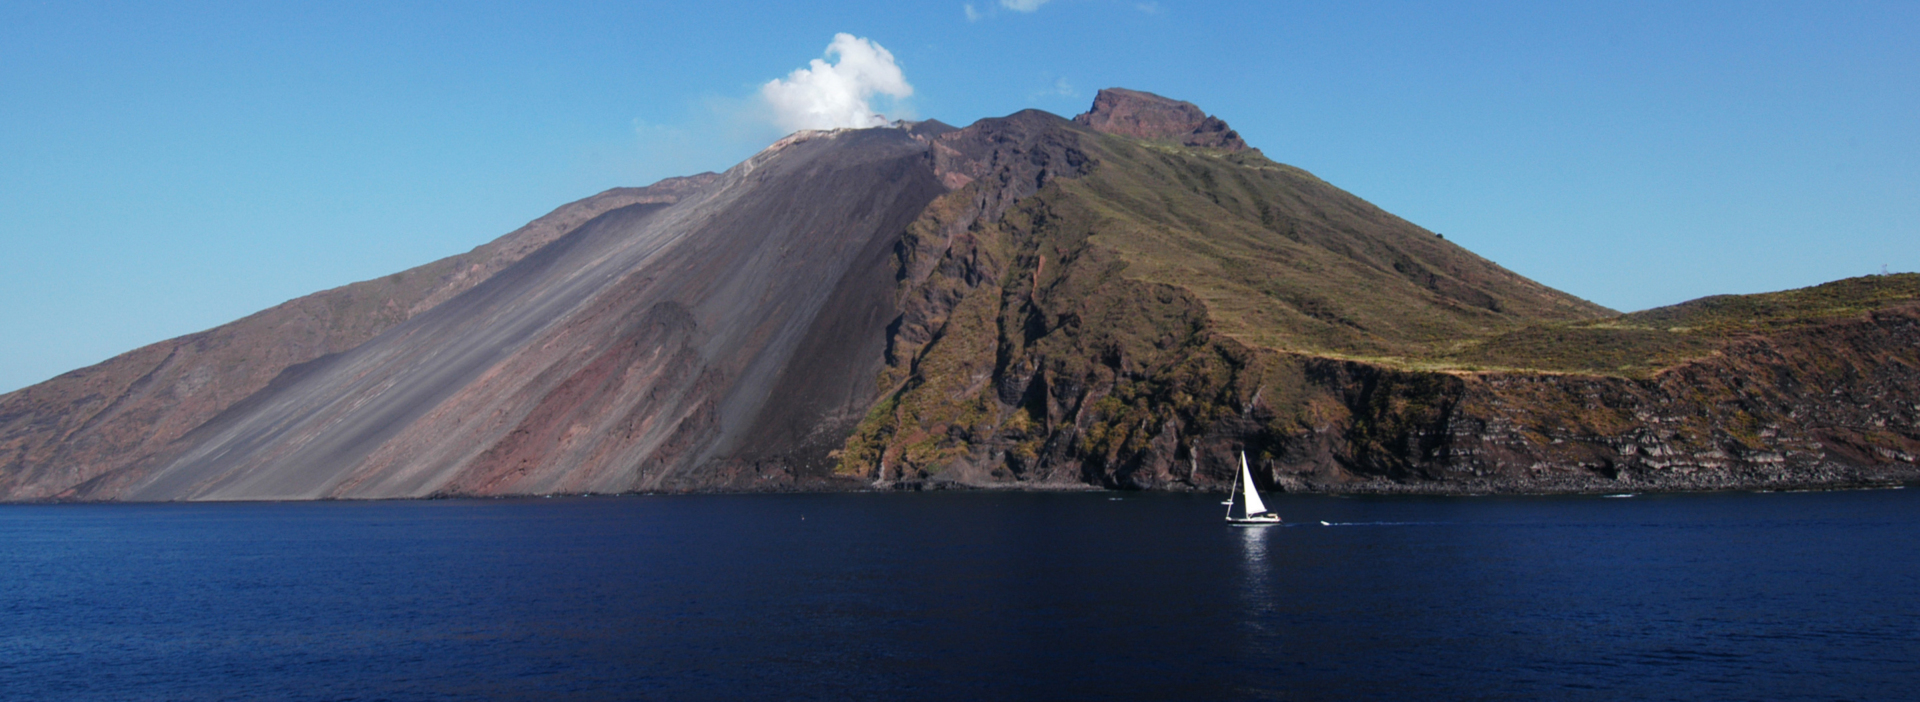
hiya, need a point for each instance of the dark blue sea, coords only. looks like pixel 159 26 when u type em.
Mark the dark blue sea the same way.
pixel 966 596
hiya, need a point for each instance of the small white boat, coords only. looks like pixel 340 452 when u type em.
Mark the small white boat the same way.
pixel 1252 512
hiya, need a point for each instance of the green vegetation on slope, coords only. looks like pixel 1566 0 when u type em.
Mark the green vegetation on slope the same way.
pixel 1131 324
pixel 1787 309
pixel 1144 300
pixel 1642 343
pixel 1284 261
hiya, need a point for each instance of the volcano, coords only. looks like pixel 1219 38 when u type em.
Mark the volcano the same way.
pixel 1125 299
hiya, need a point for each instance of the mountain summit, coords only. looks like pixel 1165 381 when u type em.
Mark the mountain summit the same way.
pixel 1147 116
pixel 1127 299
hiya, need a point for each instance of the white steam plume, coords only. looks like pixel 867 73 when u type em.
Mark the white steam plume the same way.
pixel 1022 5
pixel 830 96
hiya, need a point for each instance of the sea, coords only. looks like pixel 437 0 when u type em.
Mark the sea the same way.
pixel 967 596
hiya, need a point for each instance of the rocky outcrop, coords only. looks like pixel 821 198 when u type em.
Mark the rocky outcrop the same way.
pixel 1147 116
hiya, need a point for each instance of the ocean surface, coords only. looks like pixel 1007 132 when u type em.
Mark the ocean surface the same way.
pixel 967 596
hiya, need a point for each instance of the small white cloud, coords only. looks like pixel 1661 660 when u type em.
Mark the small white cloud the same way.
pixel 1053 87
pixel 1022 5
pixel 1151 8
pixel 973 15
pixel 834 95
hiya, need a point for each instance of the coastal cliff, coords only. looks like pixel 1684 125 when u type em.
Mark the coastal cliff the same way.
pixel 1830 405
pixel 1142 317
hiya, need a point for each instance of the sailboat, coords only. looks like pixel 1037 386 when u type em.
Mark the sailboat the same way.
pixel 1253 512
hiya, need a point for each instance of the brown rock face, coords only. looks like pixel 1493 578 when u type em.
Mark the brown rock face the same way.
pixel 1149 116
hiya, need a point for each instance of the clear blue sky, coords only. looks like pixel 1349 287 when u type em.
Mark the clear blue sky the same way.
pixel 168 167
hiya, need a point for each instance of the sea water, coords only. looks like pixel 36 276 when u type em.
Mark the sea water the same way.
pixel 966 596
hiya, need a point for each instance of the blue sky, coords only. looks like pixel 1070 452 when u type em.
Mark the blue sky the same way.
pixel 168 167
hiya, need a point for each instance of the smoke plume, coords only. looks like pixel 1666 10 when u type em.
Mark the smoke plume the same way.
pixel 832 95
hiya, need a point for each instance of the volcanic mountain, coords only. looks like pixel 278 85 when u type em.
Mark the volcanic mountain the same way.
pixel 1127 299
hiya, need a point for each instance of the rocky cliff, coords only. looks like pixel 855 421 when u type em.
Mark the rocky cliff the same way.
pixel 1145 314
pixel 1127 299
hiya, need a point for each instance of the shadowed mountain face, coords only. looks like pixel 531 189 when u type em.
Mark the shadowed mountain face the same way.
pixel 1126 299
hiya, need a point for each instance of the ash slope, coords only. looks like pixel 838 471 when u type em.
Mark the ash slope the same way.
pixel 128 411
pixel 609 360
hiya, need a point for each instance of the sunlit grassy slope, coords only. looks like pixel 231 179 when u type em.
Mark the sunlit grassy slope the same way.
pixel 1285 261
pixel 1643 342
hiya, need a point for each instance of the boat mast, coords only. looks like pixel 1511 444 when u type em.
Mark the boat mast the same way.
pixel 1231 492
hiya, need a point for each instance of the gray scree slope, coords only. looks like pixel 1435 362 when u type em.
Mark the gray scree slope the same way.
pixel 654 339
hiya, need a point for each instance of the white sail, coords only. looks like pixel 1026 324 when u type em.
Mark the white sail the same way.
pixel 1254 505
